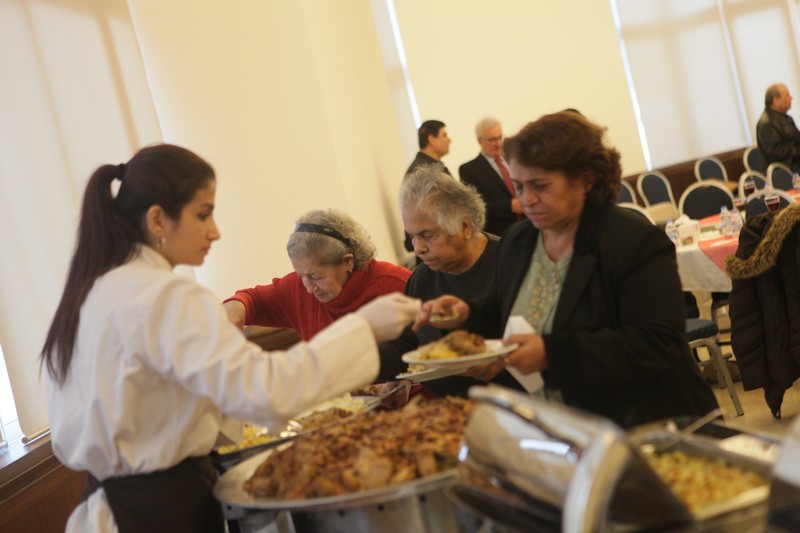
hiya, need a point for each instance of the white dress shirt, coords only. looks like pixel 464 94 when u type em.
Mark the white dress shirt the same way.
pixel 156 363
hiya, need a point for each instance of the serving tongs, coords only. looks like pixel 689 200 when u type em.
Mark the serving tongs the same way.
pixel 295 427
pixel 673 440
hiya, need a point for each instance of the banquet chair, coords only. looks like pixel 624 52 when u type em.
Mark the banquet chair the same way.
pixel 700 200
pixel 656 191
pixel 780 176
pixel 626 193
pixel 759 179
pixel 704 333
pixel 756 205
pixel 636 208
pixel 753 161
pixel 703 199
pixel 709 168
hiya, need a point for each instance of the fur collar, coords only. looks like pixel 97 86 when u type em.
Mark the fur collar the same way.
pixel 769 246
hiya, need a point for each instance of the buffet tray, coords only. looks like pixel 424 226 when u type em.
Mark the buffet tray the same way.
pixel 229 489
pixel 530 455
pixel 750 452
pixel 224 461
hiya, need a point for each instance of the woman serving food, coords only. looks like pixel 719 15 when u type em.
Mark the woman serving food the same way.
pixel 598 283
pixel 143 363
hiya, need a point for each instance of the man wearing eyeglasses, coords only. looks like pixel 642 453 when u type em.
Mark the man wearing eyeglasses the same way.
pixel 490 175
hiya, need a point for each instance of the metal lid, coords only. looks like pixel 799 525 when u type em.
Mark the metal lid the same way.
pixel 538 456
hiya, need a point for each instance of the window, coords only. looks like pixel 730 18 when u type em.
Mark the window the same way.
pixel 9 422
pixel 699 70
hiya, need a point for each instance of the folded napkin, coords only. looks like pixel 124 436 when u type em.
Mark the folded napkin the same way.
pixel 517 325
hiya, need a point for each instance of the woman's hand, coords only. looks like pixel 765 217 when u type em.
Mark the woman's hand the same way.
pixel 388 315
pixel 530 356
pixel 485 372
pixel 446 312
pixel 236 312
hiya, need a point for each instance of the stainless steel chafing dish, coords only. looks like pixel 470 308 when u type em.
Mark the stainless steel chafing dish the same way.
pixel 530 465
pixel 419 506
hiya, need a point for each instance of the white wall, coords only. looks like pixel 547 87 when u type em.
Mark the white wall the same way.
pixel 293 103
pixel 290 103
pixel 517 60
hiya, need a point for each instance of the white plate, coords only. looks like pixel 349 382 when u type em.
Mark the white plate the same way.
pixel 495 350
pixel 429 374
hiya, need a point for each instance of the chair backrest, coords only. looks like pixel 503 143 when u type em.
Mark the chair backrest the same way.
pixel 780 176
pixel 757 177
pixel 709 168
pixel 753 160
pixel 654 188
pixel 638 210
pixel 626 193
pixel 756 204
pixel 703 199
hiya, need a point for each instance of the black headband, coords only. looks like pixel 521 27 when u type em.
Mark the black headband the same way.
pixel 307 227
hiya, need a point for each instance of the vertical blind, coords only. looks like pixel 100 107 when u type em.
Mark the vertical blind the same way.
pixel 72 94
pixel 700 68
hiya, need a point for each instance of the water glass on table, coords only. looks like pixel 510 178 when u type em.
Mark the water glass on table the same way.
pixel 773 202
pixel 741 205
pixel 749 187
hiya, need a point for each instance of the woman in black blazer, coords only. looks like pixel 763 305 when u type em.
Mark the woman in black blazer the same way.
pixel 599 284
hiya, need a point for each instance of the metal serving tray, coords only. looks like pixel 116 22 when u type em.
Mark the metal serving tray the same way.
pixel 578 472
pixel 229 490
pixel 420 505
pixel 700 446
pixel 225 461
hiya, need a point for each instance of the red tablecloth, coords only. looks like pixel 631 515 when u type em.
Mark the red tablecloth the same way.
pixel 718 249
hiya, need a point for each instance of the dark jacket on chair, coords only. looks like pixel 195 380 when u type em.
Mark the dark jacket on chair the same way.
pixel 765 303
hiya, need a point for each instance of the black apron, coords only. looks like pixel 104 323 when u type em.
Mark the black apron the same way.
pixel 177 499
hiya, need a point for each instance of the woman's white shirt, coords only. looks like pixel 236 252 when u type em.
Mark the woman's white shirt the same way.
pixel 156 363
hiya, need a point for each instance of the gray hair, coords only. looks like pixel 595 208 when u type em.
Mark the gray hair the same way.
pixel 484 124
pixel 446 200
pixel 329 250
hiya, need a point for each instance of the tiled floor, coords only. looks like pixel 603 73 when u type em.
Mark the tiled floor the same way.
pixel 756 413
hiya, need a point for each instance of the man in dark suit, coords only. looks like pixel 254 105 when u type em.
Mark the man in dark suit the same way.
pixel 489 174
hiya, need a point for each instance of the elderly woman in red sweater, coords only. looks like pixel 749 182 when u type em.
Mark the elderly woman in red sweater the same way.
pixel 335 273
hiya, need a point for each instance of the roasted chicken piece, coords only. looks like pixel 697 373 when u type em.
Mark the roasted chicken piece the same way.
pixel 371 450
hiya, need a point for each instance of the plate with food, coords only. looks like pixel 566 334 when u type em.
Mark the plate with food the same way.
pixel 459 349
pixel 421 373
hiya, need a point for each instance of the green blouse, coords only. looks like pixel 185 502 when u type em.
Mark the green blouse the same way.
pixel 538 296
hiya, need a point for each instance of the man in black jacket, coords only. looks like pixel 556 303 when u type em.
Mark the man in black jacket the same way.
pixel 778 137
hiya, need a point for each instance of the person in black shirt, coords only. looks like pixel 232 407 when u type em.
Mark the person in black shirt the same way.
pixel 445 220
pixel 434 143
